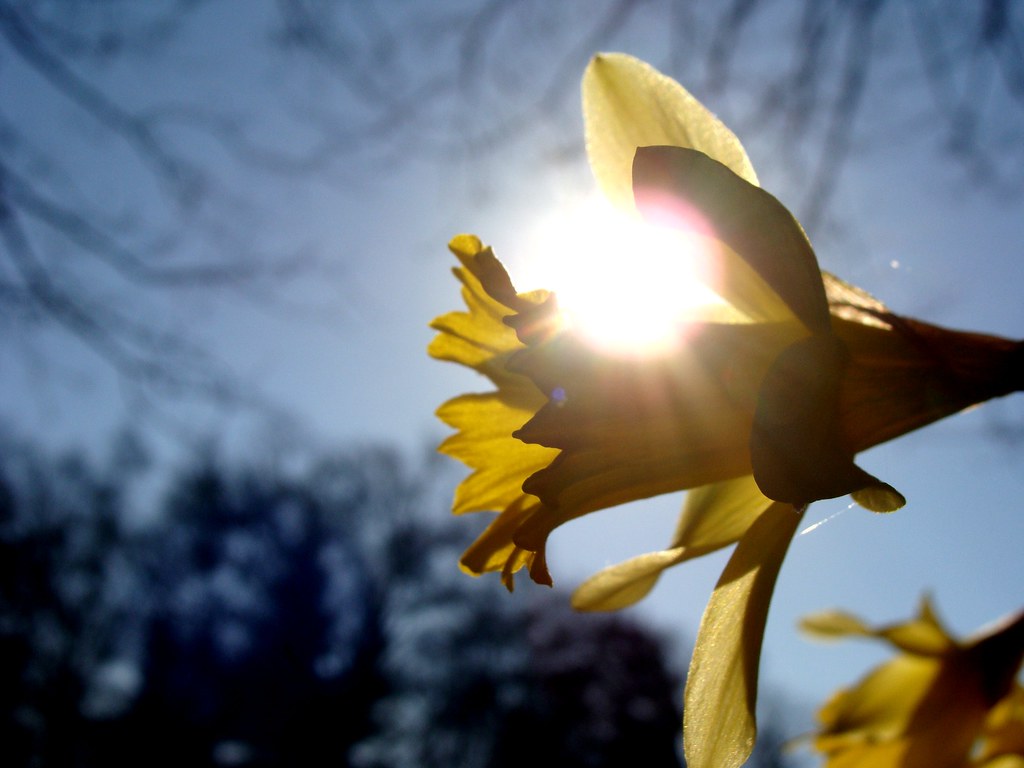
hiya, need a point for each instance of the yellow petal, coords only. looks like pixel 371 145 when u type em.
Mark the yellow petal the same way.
pixel 879 707
pixel 484 423
pixel 484 442
pixel 1003 761
pixel 879 497
pixel 905 374
pixel 923 709
pixel 887 754
pixel 625 583
pixel 494 549
pixel 714 516
pixel 831 625
pixel 745 294
pixel 717 515
pixel 927 707
pixel 797 448
pixel 1004 728
pixel 922 636
pixel 629 104
pixel 853 303
pixel 479 338
pixel 719 725
pixel 684 188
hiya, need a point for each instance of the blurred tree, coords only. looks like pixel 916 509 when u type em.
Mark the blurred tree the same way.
pixel 299 612
pixel 72 602
pixel 481 680
pixel 266 629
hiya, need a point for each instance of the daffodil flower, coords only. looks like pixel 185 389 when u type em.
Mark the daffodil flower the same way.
pixel 940 703
pixel 1002 736
pixel 758 408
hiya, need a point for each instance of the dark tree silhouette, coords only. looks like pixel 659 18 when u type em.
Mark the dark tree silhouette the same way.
pixel 260 615
pixel 71 600
pixel 263 649
pixel 481 679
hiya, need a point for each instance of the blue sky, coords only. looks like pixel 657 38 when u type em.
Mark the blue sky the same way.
pixel 344 350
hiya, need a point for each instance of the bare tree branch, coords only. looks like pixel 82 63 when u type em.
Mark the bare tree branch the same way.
pixel 177 174
pixel 69 258
pixel 379 81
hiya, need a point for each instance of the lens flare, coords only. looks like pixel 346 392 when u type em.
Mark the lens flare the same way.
pixel 626 285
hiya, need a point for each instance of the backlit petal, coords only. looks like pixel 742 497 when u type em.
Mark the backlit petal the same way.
pixel 930 704
pixel 484 423
pixel 494 549
pixel 1004 729
pixel 685 188
pixel 906 374
pixel 864 726
pixel 623 584
pixel 479 338
pixel 923 636
pixel 1002 761
pixel 831 625
pixel 714 516
pixel 718 515
pixel 796 445
pixel 484 442
pixel 629 104
pixel 719 725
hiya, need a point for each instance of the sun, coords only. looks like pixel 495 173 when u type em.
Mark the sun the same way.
pixel 627 286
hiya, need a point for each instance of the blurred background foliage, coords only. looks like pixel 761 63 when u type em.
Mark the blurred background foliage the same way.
pixel 293 613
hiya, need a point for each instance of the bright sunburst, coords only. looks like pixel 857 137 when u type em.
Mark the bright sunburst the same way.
pixel 627 285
